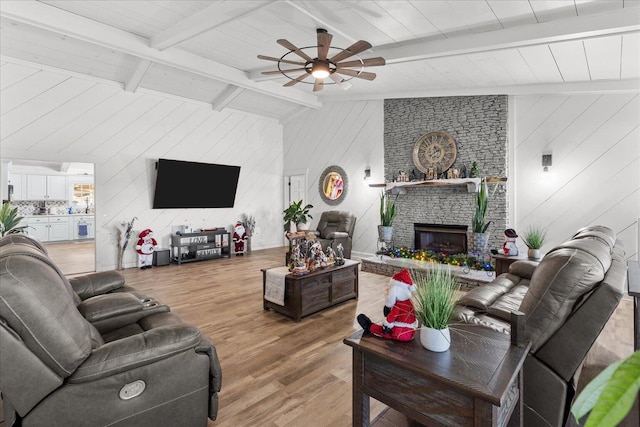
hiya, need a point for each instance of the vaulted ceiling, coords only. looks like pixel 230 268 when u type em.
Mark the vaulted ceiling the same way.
pixel 208 51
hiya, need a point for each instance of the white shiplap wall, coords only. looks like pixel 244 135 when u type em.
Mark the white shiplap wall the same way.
pixel 47 115
pixel 349 135
pixel 595 178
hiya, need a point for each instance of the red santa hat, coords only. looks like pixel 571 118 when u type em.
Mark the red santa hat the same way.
pixel 401 287
pixel 145 233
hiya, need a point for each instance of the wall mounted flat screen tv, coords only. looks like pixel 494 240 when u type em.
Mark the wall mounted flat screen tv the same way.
pixel 181 184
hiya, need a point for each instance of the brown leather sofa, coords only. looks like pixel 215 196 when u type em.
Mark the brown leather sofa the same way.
pixel 336 227
pixel 567 299
pixel 92 351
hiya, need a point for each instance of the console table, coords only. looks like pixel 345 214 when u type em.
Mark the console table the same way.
pixel 477 382
pixel 309 293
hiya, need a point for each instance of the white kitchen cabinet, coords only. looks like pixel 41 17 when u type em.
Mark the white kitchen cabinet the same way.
pixel 89 221
pixel 49 229
pixel 46 187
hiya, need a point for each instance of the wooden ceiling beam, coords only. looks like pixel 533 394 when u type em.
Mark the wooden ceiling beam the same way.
pixel 137 75
pixel 206 20
pixel 620 22
pixel 59 21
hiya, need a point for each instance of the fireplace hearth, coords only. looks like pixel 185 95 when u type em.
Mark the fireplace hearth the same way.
pixel 441 238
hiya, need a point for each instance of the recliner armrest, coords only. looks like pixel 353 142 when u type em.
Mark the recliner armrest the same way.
pixel 93 284
pixel 136 350
pixel 103 307
pixel 523 269
pixel 337 235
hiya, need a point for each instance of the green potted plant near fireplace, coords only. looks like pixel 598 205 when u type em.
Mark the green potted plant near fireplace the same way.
pixel 387 214
pixel 479 225
pixel 434 301
pixel 296 216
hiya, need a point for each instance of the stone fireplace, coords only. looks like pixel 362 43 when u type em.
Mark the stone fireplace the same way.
pixel 478 124
pixel 439 238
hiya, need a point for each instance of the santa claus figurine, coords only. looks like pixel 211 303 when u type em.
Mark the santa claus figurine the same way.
pixel 400 322
pixel 145 246
pixel 239 238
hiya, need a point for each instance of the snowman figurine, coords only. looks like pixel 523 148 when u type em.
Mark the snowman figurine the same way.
pixel 509 247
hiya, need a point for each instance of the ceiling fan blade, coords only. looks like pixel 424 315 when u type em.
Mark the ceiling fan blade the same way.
pixel 271 73
pixel 297 80
pixel 324 43
pixel 286 61
pixel 359 74
pixel 369 62
pixel 354 49
pixel 340 81
pixel 317 86
pixel 287 44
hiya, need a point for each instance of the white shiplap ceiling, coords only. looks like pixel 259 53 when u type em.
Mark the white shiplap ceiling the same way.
pixel 207 50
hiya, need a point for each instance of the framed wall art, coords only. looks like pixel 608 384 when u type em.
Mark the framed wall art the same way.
pixel 333 185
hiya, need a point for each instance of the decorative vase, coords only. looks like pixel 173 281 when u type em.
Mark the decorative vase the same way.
pixel 437 340
pixel 533 254
pixel 385 233
pixel 479 242
pixel 303 226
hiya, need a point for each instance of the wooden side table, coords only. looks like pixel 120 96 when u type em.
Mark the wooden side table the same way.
pixel 477 382
pixel 504 261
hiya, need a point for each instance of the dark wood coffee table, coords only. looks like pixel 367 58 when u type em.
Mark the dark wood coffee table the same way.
pixel 312 292
pixel 477 382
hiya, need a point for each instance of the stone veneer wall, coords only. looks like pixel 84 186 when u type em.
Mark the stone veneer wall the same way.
pixel 478 124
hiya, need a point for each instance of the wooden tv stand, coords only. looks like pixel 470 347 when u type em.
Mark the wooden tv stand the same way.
pixel 312 292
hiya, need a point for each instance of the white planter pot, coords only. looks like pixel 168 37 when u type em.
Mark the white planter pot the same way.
pixel 437 340
pixel 303 226
pixel 533 254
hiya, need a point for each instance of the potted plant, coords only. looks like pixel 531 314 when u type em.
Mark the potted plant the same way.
pixel 609 397
pixel 534 239
pixel 296 215
pixel 434 301
pixel 387 214
pixel 479 224
pixel 10 221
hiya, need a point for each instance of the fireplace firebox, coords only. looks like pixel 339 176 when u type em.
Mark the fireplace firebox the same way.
pixel 441 238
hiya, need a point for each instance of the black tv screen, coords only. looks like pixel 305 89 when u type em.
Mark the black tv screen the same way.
pixel 181 184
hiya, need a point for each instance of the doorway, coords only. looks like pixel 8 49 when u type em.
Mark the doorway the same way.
pixel 56 201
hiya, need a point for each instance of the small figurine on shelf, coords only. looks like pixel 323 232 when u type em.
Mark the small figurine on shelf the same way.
pixel 474 172
pixel 145 246
pixel 297 264
pixel 239 238
pixel 330 254
pixel 509 247
pixel 400 321
pixel 339 254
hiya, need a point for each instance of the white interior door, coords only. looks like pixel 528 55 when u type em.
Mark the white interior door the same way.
pixel 295 188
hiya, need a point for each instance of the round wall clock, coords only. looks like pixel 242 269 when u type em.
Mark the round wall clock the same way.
pixel 436 151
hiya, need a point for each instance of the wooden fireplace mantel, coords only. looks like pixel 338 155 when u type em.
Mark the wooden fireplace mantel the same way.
pixel 472 183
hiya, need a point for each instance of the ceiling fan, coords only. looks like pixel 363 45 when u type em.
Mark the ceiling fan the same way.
pixel 323 66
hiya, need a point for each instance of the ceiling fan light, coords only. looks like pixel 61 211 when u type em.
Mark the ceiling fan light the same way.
pixel 320 70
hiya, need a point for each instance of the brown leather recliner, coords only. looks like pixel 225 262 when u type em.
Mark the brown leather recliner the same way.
pixel 336 227
pixel 111 359
pixel 567 299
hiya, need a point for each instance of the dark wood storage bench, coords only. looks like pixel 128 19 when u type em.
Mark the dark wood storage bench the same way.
pixel 312 292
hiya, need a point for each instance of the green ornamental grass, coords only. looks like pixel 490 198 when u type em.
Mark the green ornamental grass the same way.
pixel 534 237
pixel 436 295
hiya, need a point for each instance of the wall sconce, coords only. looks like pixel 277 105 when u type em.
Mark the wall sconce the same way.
pixel 546 162
pixel 367 173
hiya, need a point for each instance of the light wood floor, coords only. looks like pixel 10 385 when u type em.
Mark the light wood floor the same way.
pixel 280 373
